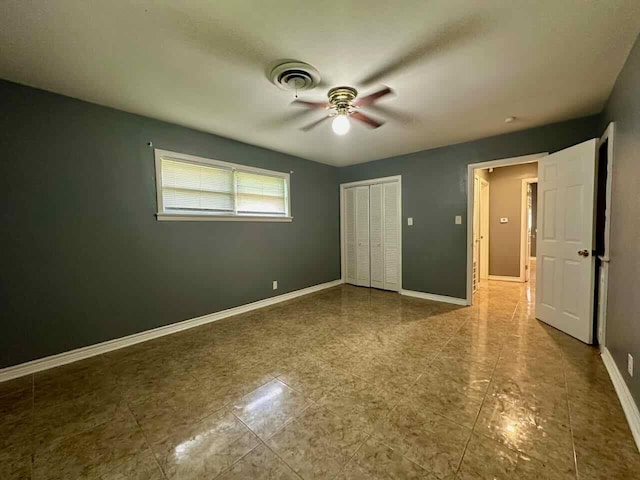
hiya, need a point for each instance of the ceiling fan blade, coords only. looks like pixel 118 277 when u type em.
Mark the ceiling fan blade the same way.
pixel 306 103
pixel 308 127
pixel 367 119
pixel 392 113
pixel 439 43
pixel 369 99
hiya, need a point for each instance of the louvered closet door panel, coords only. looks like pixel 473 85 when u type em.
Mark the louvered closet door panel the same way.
pixel 376 229
pixel 362 236
pixel 350 235
pixel 391 216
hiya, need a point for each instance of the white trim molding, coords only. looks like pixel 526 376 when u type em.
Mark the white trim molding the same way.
pixel 71 356
pixel 188 217
pixel 504 278
pixel 603 279
pixel 524 224
pixel 233 169
pixel 626 400
pixel 470 205
pixel 434 297
pixel 372 181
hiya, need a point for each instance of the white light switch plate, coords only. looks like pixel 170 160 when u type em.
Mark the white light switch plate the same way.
pixel 275 284
pixel 458 219
pixel 410 221
pixel 504 220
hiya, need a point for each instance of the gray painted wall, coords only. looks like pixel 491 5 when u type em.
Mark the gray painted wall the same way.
pixel 434 191
pixel 623 311
pixel 505 198
pixel 84 259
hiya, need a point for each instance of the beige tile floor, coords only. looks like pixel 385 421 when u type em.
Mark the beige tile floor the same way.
pixel 350 383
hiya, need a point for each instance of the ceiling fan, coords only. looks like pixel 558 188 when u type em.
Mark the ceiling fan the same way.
pixel 344 104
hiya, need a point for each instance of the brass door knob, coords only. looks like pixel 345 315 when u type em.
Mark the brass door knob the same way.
pixel 583 253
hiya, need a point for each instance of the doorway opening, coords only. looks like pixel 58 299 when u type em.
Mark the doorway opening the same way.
pixel 502 225
pixel 528 230
pixel 480 231
pixel 604 184
pixel 569 238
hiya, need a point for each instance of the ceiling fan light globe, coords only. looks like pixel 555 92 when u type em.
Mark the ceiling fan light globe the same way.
pixel 340 125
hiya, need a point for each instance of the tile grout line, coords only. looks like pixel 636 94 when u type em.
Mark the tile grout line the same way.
pixel 263 442
pixel 225 470
pixel 566 391
pixel 504 338
pixel 314 402
pixel 56 440
pixel 415 382
pixel 33 414
pixel 484 398
pixel 519 453
pixel 420 375
pixel 146 441
pixel 282 460
pixel 352 456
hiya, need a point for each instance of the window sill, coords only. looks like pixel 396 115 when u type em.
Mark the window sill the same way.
pixel 185 217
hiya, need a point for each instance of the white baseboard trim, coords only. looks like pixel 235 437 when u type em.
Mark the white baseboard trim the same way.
pixel 628 404
pixel 434 297
pixel 504 278
pixel 64 358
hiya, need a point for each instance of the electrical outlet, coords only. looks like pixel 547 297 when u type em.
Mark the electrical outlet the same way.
pixel 410 221
pixel 275 284
pixel 630 364
pixel 458 219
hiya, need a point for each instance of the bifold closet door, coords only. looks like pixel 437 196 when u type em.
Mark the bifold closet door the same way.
pixel 351 264
pixel 363 276
pixel 391 236
pixel 372 235
pixel 376 229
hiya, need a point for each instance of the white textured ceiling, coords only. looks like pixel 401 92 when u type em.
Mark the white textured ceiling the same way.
pixel 459 67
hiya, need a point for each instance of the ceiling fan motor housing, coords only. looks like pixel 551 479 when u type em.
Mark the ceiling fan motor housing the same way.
pixel 341 97
pixel 295 76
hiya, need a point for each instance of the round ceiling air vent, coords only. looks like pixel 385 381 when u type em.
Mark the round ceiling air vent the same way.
pixel 295 76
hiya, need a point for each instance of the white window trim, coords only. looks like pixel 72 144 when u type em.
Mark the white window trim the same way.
pixel 182 217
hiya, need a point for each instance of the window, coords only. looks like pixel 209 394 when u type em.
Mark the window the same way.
pixel 194 188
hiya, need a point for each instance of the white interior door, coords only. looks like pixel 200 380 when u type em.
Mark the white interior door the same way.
pixel 476 233
pixel 392 236
pixel 351 263
pixel 363 276
pixel 376 229
pixel 527 248
pixel 565 266
pixel 484 229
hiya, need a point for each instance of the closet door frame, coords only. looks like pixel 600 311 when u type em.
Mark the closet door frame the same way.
pixel 372 181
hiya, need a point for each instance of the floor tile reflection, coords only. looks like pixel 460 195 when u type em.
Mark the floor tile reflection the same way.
pixel 348 383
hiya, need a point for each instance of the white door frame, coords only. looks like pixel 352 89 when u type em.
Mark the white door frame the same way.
pixel 484 220
pixel 476 234
pixel 470 205
pixel 372 181
pixel 603 279
pixel 524 238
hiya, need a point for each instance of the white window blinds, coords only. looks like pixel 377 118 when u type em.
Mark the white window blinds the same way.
pixel 260 194
pixel 195 187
